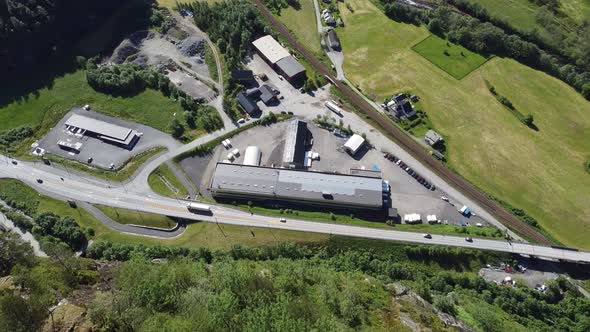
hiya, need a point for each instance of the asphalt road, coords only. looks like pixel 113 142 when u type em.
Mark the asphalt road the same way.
pixel 406 142
pixel 127 198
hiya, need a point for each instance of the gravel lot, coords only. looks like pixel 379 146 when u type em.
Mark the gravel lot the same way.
pixel 103 153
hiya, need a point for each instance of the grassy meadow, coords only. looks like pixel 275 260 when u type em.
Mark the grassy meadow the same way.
pixel 454 59
pixel 539 171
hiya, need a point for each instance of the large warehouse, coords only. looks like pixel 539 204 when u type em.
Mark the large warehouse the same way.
pixel 105 131
pixel 295 144
pixel 279 58
pixel 323 189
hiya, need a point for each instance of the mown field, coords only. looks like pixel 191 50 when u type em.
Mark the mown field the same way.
pixel 44 108
pixel 198 234
pixel 539 171
pixel 454 59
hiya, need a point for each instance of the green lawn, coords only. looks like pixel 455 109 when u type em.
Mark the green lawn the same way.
pixel 454 59
pixel 157 182
pixel 121 174
pixel 123 216
pixel 198 234
pixel 46 107
pixel 539 171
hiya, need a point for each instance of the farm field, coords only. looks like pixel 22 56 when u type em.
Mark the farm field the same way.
pixel 47 106
pixel 454 59
pixel 198 234
pixel 539 171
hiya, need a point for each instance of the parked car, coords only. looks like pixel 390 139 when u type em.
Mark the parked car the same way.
pixel 444 198
pixel 433 188
pixel 14 162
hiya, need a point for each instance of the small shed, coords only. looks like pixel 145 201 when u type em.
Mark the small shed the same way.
pixel 333 40
pixel 432 137
pixel 354 144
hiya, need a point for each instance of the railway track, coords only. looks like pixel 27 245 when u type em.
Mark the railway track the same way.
pixel 408 143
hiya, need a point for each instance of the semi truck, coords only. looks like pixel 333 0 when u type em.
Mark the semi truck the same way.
pixel 198 207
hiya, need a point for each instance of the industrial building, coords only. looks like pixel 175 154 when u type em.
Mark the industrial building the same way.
pixel 354 144
pixel 280 59
pixel 297 140
pixel 108 132
pixel 234 181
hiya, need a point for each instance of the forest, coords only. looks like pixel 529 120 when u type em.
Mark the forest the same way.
pixel 332 287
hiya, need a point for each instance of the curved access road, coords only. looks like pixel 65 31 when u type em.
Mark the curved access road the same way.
pixel 129 199
pixel 406 142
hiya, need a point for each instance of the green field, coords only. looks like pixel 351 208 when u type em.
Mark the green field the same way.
pixel 302 21
pixel 123 216
pixel 158 185
pixel 454 59
pixel 47 106
pixel 539 171
pixel 198 234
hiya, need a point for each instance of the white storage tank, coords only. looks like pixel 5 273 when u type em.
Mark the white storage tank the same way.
pixel 252 156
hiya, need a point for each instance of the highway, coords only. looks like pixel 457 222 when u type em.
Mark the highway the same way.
pixel 128 198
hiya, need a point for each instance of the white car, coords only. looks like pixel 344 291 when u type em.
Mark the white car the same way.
pixel 444 198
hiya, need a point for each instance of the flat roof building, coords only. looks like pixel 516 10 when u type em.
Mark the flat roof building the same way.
pixel 248 105
pixel 279 58
pixel 270 49
pixel 354 144
pixel 432 137
pixel 297 140
pixel 290 68
pixel 105 131
pixel 324 189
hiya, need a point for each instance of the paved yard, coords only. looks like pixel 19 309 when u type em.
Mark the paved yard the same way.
pixel 103 154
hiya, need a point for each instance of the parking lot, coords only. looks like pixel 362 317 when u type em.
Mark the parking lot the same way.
pixel 103 154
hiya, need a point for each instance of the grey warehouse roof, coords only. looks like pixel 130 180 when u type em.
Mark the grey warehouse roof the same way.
pixel 302 186
pixel 270 48
pixel 290 66
pixel 294 151
pixel 106 130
